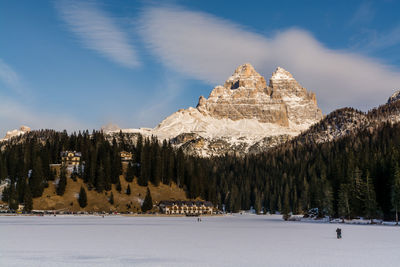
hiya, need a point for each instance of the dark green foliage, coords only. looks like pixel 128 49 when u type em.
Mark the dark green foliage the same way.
pixel 395 194
pixel 130 173
pixel 37 179
pixel 62 183
pixel 344 201
pixel 111 199
pixel 74 174
pixel 148 202
pixel 28 202
pixel 145 164
pixel 82 200
pixel 118 186
pixel 353 176
pixel 11 197
pixel 370 205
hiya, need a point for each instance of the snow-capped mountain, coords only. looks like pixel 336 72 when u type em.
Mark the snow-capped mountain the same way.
pixel 244 115
pixel 17 132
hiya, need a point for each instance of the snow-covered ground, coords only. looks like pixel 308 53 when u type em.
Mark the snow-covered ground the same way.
pixel 240 240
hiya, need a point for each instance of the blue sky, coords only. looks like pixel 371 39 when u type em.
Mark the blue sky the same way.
pixel 83 64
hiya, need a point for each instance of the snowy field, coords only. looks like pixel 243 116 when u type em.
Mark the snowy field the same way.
pixel 241 240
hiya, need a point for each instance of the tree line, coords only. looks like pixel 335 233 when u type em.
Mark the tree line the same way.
pixel 358 175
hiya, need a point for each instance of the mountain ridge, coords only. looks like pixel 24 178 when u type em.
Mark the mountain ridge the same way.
pixel 239 114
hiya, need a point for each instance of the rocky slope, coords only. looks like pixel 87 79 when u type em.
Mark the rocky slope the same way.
pixel 244 115
pixel 345 121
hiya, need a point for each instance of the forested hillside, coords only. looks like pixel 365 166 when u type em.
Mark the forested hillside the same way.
pixel 357 175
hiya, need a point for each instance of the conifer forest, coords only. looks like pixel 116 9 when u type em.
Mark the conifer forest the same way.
pixel 355 176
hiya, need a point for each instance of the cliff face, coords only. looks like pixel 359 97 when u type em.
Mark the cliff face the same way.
pixel 301 105
pixel 245 95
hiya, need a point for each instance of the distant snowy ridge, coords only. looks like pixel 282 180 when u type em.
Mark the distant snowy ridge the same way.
pixel 17 132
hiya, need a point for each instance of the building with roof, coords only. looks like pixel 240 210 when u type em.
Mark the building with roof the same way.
pixel 186 207
pixel 126 156
pixel 69 158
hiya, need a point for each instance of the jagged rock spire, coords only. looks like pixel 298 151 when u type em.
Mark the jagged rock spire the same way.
pixel 281 74
pixel 245 95
pixel 245 76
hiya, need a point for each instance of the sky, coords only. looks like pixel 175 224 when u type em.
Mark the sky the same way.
pixel 83 64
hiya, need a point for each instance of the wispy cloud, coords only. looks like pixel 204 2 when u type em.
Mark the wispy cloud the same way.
pixel 98 31
pixel 205 47
pixel 363 14
pixel 380 41
pixel 10 78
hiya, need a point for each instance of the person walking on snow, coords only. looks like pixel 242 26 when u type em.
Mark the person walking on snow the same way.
pixel 339 233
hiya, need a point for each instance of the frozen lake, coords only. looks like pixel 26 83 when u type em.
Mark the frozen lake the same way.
pixel 242 240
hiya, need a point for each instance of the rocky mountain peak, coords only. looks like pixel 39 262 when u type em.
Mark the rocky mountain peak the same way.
pixel 301 104
pixel 245 95
pixel 247 77
pixel 243 115
pixel 394 97
pixel 281 74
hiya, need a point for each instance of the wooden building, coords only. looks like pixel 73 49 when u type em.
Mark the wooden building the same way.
pixel 71 158
pixel 186 207
pixel 126 156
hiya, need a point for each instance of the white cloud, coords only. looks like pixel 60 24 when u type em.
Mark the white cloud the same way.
pixel 10 78
pixel 205 47
pixel 98 31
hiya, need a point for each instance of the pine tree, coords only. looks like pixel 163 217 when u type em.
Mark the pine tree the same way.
pixel 326 194
pixel 100 179
pixel 82 200
pixel 145 167
pixel 370 198
pixel 357 194
pixel 128 190
pixel 74 174
pixel 28 203
pixel 304 199
pixel 12 197
pixel 344 201
pixel 130 173
pixel 111 200
pixel 118 186
pixel 148 202
pixel 257 203
pixel 395 194
pixel 62 183
pixel 36 179
pixel 286 204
